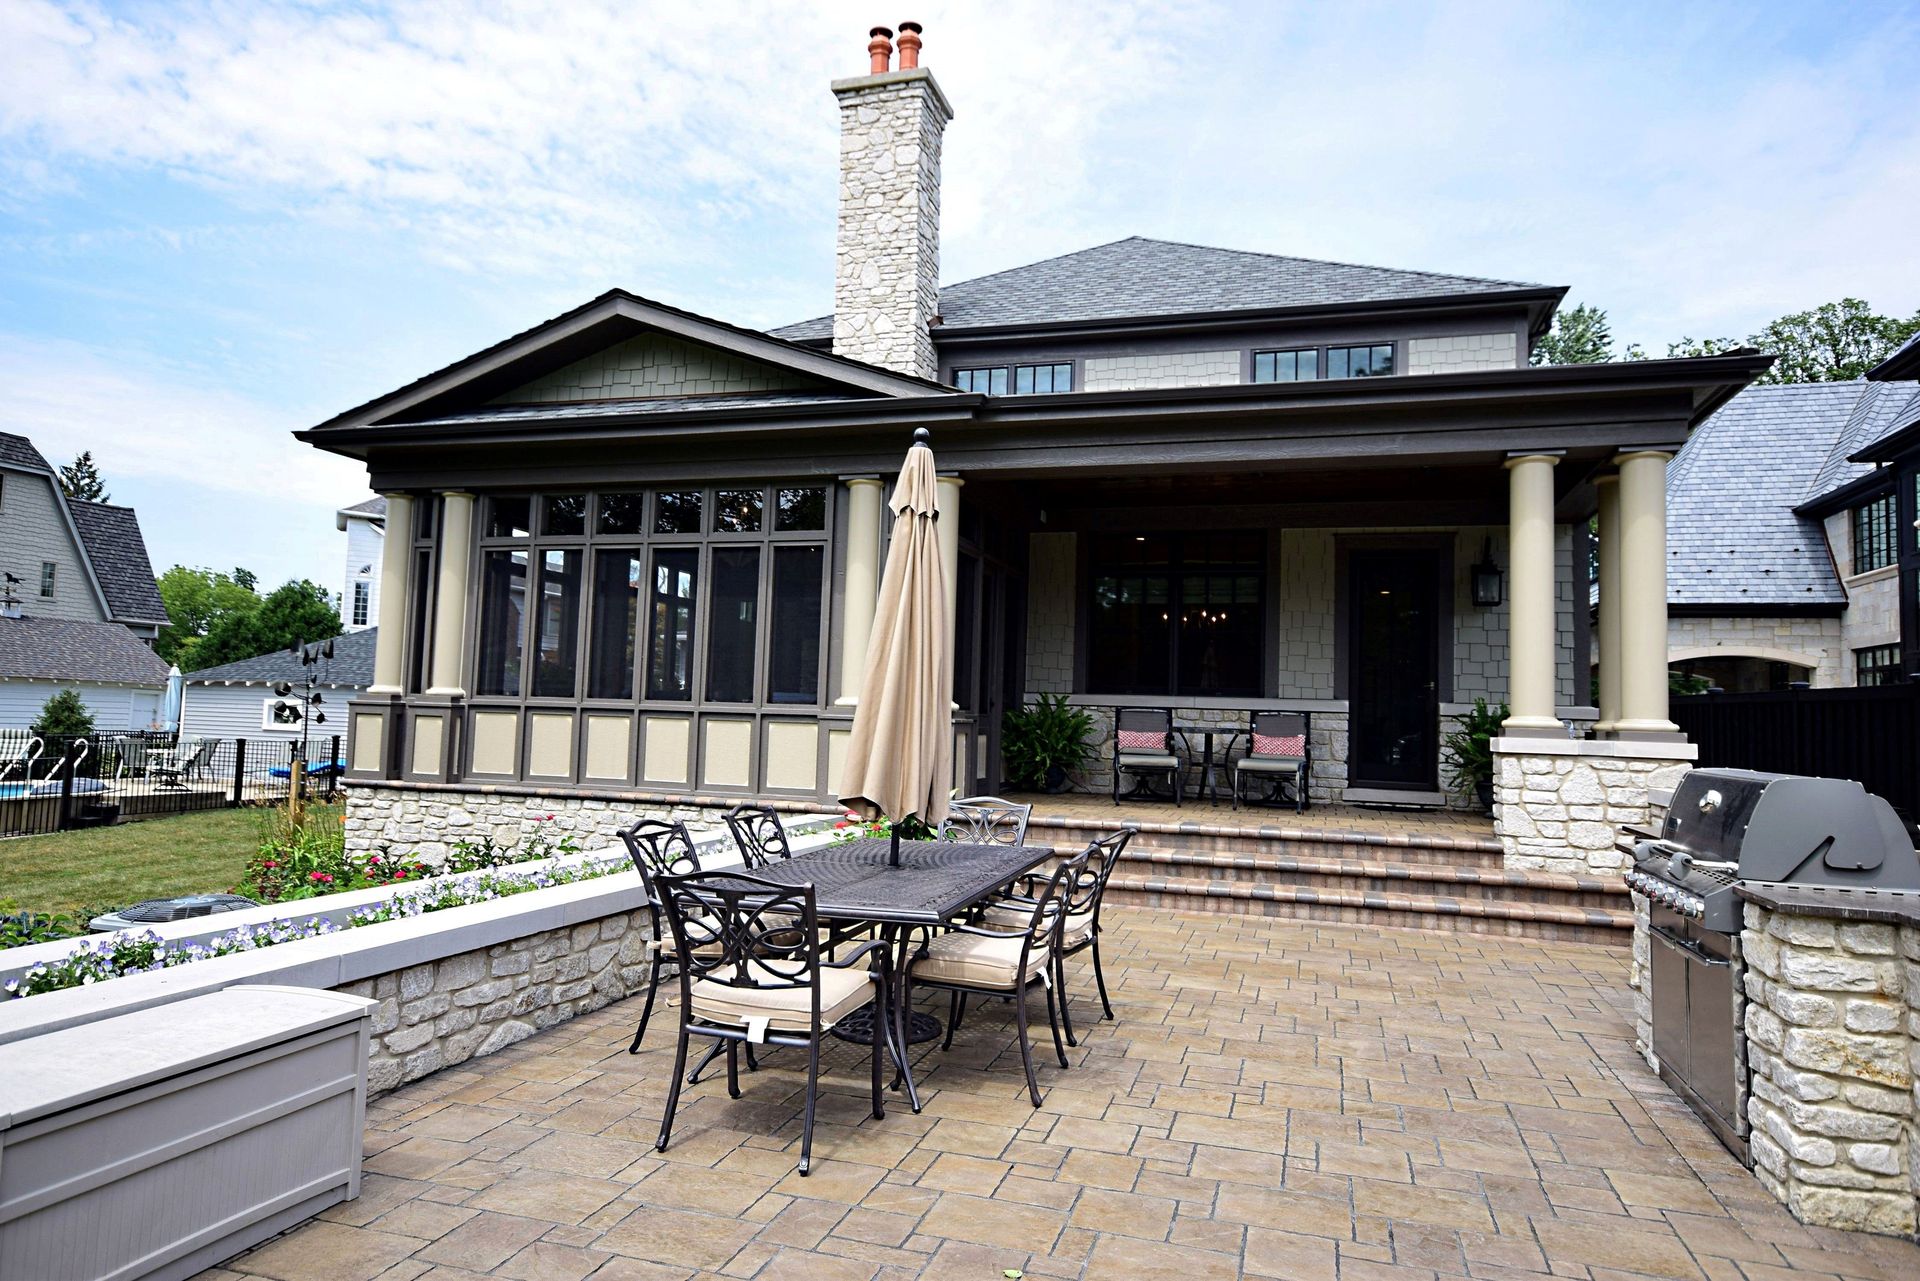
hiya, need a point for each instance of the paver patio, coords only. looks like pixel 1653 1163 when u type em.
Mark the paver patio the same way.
pixel 1277 1099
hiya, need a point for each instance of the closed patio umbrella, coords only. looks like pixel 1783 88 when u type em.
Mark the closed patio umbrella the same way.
pixel 176 686
pixel 900 758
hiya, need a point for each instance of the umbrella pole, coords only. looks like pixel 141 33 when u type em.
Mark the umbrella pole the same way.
pixel 893 859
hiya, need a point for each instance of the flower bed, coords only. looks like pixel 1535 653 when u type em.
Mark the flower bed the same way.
pixel 93 960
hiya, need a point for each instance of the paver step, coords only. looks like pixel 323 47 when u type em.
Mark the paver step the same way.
pixel 1359 906
pixel 1383 875
pixel 1255 836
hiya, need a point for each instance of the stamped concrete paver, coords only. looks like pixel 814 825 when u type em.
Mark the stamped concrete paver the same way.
pixel 1276 1099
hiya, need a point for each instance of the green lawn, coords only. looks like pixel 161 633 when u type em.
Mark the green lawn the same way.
pixel 108 867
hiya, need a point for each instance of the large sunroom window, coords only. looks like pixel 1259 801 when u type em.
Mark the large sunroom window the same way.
pixel 1176 614
pixel 668 595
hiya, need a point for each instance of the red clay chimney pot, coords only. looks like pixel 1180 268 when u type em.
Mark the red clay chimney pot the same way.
pixel 909 45
pixel 880 49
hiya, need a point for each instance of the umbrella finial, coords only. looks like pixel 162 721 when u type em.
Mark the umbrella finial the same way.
pixel 921 436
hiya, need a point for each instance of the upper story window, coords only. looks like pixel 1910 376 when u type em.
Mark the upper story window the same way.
pixel 1302 365
pixel 1874 538
pixel 1016 380
pixel 46 579
pixel 1372 361
pixel 362 602
pixel 1879 665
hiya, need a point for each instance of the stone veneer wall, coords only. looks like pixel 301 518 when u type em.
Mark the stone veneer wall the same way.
pixel 1462 352
pixel 444 1012
pixel 428 823
pixel 1559 804
pixel 1817 639
pixel 1833 1030
pixel 1161 369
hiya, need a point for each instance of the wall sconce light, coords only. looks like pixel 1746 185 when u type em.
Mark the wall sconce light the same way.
pixel 1487 579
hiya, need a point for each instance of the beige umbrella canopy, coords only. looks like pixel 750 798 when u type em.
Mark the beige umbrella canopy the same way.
pixel 900 759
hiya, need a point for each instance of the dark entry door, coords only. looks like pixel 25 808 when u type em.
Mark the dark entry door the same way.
pixel 1393 668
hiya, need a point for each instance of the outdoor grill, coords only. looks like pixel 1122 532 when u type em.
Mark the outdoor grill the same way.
pixel 1723 827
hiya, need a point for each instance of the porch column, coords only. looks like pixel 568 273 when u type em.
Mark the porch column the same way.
pixel 1643 594
pixel 1609 621
pixel 948 529
pixel 866 496
pixel 1530 611
pixel 396 560
pixel 450 609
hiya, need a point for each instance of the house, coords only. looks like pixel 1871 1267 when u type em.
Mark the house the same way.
pixel 1792 571
pixel 643 544
pixel 365 526
pixel 79 608
pixel 239 699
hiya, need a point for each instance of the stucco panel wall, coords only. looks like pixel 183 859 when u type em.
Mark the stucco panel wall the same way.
pixel 652 365
pixel 1164 369
pixel 33 531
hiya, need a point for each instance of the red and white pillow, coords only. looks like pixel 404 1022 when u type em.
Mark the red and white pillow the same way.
pixel 1279 744
pixel 1143 740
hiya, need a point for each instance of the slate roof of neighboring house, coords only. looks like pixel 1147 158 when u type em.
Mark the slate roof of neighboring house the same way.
pixel 1732 534
pixel 1904 363
pixel 18 451
pixel 64 649
pixel 649 405
pixel 1138 277
pixel 118 551
pixel 352 664
pixel 1878 410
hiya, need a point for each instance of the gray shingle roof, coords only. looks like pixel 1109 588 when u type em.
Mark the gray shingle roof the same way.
pixel 1732 535
pixel 18 451
pixel 1904 363
pixel 352 664
pixel 118 552
pixel 1876 410
pixel 652 405
pixel 375 507
pixel 64 649
pixel 1138 277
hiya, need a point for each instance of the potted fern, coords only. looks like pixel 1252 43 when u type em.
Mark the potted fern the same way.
pixel 1468 751
pixel 1042 742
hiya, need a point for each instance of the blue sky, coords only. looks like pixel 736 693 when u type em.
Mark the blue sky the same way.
pixel 221 222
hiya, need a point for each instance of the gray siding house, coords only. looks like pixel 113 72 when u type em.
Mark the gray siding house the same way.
pixel 238 699
pixel 641 546
pixel 79 608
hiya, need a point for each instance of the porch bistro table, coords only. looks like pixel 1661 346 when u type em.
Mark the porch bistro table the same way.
pixel 935 882
pixel 1209 763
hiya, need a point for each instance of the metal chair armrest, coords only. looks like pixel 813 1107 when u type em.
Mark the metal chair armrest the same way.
pixel 876 945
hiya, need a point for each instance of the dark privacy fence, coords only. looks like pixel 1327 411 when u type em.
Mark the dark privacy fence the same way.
pixel 1871 735
pixel 54 783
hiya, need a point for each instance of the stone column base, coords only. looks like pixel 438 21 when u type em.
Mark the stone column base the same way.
pixel 1560 805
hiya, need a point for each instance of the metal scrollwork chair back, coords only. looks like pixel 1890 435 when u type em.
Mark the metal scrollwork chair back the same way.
pixel 758 832
pixel 987 820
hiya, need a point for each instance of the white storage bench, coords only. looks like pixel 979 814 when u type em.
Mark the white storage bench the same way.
pixel 158 1143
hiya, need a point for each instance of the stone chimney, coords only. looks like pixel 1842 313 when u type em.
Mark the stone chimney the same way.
pixel 886 291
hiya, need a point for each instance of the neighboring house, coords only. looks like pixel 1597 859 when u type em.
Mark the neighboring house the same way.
pixel 79 602
pixel 1791 531
pixel 643 543
pixel 237 700
pixel 365 525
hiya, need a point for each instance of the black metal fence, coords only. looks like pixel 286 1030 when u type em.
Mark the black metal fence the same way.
pixel 54 783
pixel 1871 735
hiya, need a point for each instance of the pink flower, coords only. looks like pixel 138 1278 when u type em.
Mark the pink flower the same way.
pixel 270 863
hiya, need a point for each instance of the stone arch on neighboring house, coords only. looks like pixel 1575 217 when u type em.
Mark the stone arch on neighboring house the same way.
pixel 1741 668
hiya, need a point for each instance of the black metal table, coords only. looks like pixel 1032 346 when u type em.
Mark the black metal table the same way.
pixel 1208 765
pixel 935 882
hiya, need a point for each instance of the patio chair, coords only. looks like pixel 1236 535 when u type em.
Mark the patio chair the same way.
pixel 183 764
pixel 751 974
pixel 1080 924
pixel 758 832
pixel 987 820
pixel 975 960
pixel 657 849
pixel 1279 758
pixel 1144 746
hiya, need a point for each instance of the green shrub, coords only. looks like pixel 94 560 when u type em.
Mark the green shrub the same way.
pixel 64 715
pixel 1468 751
pixel 1047 736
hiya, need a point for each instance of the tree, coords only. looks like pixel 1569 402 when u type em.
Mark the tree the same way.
pixel 1702 346
pixel 246 578
pixel 81 479
pixel 62 715
pixel 1580 336
pixel 293 612
pixel 195 600
pixel 1834 342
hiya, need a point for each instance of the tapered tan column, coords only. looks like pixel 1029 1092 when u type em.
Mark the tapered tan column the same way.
pixel 948 529
pixel 1643 594
pixel 1530 628
pixel 450 609
pixel 865 498
pixel 1609 621
pixel 396 559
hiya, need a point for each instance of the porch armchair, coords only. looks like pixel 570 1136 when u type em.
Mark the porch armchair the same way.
pixel 1279 759
pixel 1144 746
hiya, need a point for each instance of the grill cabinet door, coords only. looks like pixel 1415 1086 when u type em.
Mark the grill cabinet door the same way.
pixel 1669 964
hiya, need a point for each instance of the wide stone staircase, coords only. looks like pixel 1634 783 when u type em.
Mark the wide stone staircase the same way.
pixel 1251 863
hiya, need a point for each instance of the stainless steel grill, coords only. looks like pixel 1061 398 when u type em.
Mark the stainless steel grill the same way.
pixel 1724 827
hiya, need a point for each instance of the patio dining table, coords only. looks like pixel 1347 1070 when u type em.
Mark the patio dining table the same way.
pixel 854 883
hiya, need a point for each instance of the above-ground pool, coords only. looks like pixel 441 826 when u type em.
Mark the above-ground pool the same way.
pixel 50 787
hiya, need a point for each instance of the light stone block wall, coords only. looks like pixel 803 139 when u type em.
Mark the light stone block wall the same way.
pixel 1872 615
pixel 1559 805
pixel 887 248
pixel 1833 1032
pixel 1167 369
pixel 652 365
pixel 1462 352
pixel 1814 639
pixel 1051 602
pixel 441 1013
pixel 430 823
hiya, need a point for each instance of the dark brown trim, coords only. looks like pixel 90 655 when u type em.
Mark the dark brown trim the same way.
pixel 1759 609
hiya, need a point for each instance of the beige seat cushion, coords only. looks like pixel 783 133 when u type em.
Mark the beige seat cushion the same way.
pixel 786 1009
pixel 1148 760
pixel 1006 916
pixel 978 961
pixel 1269 764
